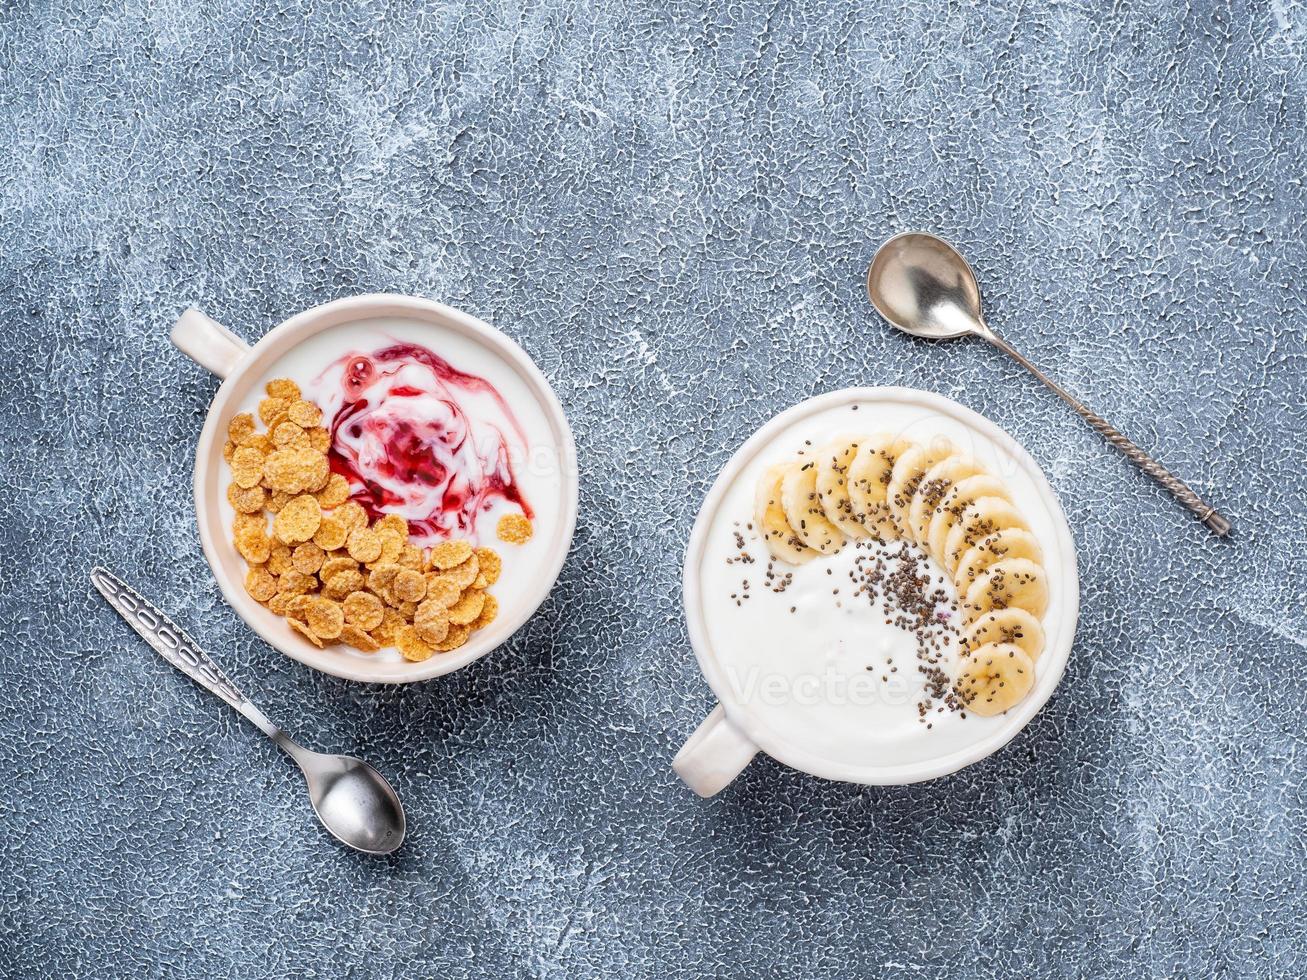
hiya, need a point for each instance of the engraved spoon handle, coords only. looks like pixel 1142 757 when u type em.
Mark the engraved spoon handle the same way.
pixel 168 639
pixel 1204 511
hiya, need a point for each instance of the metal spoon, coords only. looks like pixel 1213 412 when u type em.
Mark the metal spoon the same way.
pixel 353 801
pixel 922 285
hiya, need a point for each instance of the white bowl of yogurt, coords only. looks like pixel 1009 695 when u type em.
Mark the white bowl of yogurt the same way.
pixel 815 676
pixel 447 376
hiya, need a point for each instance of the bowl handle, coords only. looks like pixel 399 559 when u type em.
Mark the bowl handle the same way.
pixel 207 342
pixel 715 754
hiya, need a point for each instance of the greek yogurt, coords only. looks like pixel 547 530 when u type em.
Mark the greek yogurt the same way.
pixel 851 656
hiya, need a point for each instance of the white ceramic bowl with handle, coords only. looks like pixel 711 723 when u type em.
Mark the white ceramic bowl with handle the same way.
pixel 740 726
pixel 244 369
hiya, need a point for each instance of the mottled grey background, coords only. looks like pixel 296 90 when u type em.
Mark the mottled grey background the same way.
pixel 671 207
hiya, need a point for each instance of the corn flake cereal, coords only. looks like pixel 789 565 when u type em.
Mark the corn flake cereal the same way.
pixel 295 469
pixel 432 631
pixel 382 577
pixel 411 646
pixel 447 554
pixel 391 545
pixel 514 528
pixel 431 622
pixel 342 584
pixel 254 545
pixel 279 562
pixel 303 630
pixel 246 522
pixel 408 585
pixel 490 564
pixel 363 545
pixel 488 613
pixel 240 426
pixel 307 558
pixel 296 583
pixel 288 435
pixel 310 569
pixel 468 608
pixel 335 493
pixel 336 564
pixel 247 500
pixel 410 556
pixel 364 610
pixel 358 639
pixel 330 534
pixel 351 514
pixel 392 522
pixel 325 618
pixel 272 409
pixel 443 590
pixel 247 467
pixel 283 388
pixel 304 414
pixel 465 574
pixel 258 441
pixel 260 583
pixel 456 637
pixel 388 632
pixel 298 520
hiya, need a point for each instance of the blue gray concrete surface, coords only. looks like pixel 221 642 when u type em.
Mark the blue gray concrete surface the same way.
pixel 671 207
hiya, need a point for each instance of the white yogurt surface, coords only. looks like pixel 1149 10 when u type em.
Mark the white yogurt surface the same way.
pixel 803 674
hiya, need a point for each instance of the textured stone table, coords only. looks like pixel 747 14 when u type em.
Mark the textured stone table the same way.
pixel 671 207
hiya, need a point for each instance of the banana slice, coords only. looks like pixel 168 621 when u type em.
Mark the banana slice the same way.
pixel 1012 625
pixel 803 509
pixel 909 470
pixel 981 518
pixel 769 516
pixel 994 678
pixel 1011 542
pixel 833 463
pixel 958 498
pixel 869 475
pixel 934 486
pixel 1011 583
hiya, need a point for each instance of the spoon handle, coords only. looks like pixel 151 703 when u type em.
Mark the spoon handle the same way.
pixel 167 638
pixel 1204 511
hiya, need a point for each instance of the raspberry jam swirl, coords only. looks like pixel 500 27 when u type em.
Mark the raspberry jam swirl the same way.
pixel 414 436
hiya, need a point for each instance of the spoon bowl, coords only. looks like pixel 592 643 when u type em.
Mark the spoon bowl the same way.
pixel 353 801
pixel 923 286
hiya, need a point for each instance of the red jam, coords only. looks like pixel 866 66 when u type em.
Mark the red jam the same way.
pixel 419 438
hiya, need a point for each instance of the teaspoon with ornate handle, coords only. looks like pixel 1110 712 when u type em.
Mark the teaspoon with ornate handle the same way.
pixel 353 801
pixel 923 286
